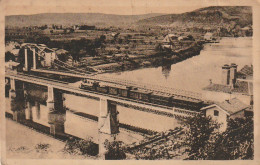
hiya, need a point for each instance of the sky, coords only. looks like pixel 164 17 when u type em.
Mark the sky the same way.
pixel 120 7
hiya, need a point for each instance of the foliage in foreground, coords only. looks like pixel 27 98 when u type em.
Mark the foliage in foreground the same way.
pixel 115 151
pixel 203 141
pixel 80 146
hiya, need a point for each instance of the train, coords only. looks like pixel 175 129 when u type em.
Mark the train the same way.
pixel 139 94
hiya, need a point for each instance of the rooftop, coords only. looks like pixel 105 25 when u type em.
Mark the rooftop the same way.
pixel 232 106
pixel 243 87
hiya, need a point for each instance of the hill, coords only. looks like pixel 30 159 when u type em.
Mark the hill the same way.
pixel 74 18
pixel 209 16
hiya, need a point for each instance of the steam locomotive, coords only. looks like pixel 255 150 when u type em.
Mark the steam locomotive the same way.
pixel 141 94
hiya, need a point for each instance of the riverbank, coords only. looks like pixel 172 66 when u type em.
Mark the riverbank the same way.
pixel 155 60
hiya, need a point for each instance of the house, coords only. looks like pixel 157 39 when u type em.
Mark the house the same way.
pixel 222 111
pixel 14 66
pixel 208 36
pixel 231 86
pixel 169 38
pixel 60 51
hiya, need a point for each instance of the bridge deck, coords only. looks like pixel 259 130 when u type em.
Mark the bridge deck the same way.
pixel 188 95
pixel 123 101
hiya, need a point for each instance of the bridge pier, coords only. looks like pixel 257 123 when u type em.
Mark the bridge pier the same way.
pixel 38 112
pixel 16 89
pixel 56 121
pixel 108 125
pixel 57 113
pixel 34 59
pixel 18 108
pixel 55 99
pixel 25 60
pixel 28 111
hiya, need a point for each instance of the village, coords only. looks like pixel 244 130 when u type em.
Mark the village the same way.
pixel 112 49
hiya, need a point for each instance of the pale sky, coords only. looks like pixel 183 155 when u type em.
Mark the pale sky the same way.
pixel 124 7
pixel 121 7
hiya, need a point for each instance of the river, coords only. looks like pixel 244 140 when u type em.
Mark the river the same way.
pixel 192 74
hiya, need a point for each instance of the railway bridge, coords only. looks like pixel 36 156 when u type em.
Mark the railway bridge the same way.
pixel 108 124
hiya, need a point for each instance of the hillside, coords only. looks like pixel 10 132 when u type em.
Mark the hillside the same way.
pixel 74 18
pixel 209 16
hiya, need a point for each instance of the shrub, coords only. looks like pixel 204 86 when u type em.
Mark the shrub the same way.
pixel 80 146
pixel 115 151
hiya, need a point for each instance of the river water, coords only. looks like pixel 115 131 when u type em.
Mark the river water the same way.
pixel 191 74
pixel 194 73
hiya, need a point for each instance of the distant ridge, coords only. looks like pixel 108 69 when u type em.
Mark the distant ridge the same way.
pixel 74 18
pixel 208 16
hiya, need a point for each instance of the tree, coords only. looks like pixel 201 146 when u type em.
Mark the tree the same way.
pixel 203 141
pixel 237 142
pixel 159 48
pixel 200 132
pixel 43 40
pixel 9 56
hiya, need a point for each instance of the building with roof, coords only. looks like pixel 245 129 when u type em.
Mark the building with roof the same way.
pixel 231 87
pixel 222 111
pixel 208 36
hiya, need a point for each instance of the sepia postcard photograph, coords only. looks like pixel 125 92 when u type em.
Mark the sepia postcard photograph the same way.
pixel 129 80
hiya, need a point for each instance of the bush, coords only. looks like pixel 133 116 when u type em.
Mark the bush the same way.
pixel 115 150
pixel 80 146
pixel 42 147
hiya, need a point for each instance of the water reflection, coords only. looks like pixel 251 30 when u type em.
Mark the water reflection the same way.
pixel 166 70
pixel 77 122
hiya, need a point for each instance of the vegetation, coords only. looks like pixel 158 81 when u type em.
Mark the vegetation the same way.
pixel 203 141
pixel 80 146
pixel 115 151
pixel 42 147
pixel 9 56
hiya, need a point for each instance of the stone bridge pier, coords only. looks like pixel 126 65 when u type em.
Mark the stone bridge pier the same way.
pixel 16 89
pixel 56 111
pixel 108 124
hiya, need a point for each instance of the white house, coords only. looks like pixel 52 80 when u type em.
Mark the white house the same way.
pixel 221 111
pixel 169 38
pixel 208 36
